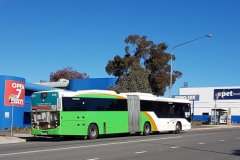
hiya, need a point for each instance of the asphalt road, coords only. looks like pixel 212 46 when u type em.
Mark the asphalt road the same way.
pixel 214 144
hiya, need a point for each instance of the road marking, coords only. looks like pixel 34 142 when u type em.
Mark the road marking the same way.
pixel 201 143
pixel 87 146
pixel 140 152
pixel 93 159
pixel 222 140
pixel 174 147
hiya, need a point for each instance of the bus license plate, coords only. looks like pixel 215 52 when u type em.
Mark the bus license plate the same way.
pixel 44 133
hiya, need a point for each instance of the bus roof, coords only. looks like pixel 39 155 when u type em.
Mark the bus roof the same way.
pixel 151 97
pixel 93 94
pixel 142 96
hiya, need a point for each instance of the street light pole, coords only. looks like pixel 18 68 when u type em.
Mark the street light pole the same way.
pixel 171 61
pixel 12 121
pixel 215 113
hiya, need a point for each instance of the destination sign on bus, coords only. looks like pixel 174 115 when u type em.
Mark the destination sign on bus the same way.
pixel 188 97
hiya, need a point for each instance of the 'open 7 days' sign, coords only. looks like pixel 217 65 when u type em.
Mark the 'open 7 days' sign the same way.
pixel 14 93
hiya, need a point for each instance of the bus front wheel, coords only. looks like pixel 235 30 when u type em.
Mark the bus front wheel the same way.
pixel 92 131
pixel 146 129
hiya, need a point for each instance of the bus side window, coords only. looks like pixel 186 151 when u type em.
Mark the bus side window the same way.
pixel 171 111
pixel 72 104
pixel 105 104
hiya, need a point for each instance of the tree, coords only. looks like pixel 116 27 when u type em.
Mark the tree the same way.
pixel 67 73
pixel 135 81
pixel 151 58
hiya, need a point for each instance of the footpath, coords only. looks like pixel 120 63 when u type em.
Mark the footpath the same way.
pixel 204 127
pixel 16 138
pixel 5 137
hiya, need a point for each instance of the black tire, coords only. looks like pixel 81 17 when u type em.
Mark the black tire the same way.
pixel 146 129
pixel 178 128
pixel 92 131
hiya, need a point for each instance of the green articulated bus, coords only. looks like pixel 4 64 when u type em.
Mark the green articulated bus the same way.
pixel 99 112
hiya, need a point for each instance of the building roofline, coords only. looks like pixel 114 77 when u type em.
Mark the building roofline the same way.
pixel 37 87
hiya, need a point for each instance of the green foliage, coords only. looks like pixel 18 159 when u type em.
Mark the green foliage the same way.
pixel 135 81
pixel 144 67
pixel 67 73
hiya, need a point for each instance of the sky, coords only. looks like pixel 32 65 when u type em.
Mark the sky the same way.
pixel 42 36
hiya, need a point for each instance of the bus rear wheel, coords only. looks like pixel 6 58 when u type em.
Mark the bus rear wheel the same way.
pixel 178 128
pixel 146 129
pixel 92 131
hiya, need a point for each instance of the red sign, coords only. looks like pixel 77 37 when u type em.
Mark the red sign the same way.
pixel 14 93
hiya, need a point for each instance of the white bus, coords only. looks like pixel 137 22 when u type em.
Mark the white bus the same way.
pixel 164 114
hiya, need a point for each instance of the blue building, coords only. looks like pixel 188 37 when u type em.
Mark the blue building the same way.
pixel 15 96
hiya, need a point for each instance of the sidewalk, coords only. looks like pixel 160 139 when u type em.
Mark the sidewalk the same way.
pixel 203 127
pixel 15 139
pixel 5 137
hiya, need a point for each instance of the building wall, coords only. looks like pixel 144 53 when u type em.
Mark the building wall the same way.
pixel 6 110
pixel 207 102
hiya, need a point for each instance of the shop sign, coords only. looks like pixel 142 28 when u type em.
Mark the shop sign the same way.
pixel 14 93
pixel 226 94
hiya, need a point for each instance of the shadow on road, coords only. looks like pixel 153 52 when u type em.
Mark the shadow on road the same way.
pixel 74 138
pixel 52 139
pixel 236 152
